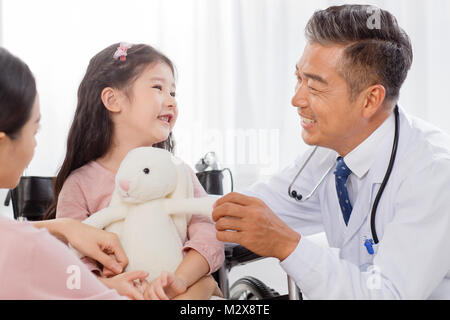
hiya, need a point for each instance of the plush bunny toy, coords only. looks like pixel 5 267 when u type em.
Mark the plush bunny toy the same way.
pixel 150 209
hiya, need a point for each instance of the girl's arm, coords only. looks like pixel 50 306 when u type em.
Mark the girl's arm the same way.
pixel 203 289
pixel 185 282
pixel 169 286
pixel 193 267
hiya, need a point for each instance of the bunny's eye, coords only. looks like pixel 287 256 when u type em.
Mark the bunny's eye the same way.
pixel 146 170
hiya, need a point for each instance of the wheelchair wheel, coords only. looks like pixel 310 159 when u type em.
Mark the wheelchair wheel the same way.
pixel 249 288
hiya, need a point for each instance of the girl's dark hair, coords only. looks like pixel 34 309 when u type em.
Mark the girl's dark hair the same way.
pixel 91 133
pixel 375 53
pixel 17 94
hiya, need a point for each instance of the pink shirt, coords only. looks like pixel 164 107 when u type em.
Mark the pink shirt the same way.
pixel 89 189
pixel 35 265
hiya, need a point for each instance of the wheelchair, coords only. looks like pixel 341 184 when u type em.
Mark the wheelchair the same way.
pixel 33 195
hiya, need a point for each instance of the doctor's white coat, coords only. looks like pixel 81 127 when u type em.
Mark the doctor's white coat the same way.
pixel 412 258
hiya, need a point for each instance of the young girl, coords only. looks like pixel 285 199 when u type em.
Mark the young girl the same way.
pixel 127 100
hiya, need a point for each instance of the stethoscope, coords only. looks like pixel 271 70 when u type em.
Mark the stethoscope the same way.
pixel 294 194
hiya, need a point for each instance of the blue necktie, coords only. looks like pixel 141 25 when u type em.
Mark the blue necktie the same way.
pixel 341 174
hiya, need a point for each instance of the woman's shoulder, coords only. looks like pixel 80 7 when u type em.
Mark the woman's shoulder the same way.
pixel 12 229
pixel 19 237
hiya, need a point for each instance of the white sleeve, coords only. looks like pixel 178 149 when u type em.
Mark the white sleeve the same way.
pixel 303 217
pixel 412 258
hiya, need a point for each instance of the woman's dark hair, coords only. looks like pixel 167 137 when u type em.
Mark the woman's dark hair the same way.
pixel 91 133
pixel 377 50
pixel 17 94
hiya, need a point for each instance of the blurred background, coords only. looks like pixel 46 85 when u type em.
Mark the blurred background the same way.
pixel 235 62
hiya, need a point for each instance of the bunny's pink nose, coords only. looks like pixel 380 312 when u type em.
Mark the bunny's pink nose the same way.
pixel 125 185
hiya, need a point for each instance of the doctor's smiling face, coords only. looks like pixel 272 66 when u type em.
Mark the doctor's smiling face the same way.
pixel 330 114
pixel 350 75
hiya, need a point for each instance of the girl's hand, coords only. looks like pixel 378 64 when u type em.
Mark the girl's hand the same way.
pixel 165 287
pixel 131 284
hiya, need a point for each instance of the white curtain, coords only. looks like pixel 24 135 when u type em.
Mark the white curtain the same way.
pixel 235 62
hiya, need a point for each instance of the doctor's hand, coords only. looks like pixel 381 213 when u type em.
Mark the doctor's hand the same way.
pixel 251 223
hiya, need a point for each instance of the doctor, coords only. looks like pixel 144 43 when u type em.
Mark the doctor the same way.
pixel 349 79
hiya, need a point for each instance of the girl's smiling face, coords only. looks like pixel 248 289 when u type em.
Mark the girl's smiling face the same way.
pixel 149 112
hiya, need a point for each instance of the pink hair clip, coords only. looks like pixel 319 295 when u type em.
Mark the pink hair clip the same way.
pixel 121 51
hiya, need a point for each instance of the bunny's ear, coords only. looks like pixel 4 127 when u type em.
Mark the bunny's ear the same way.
pixel 184 188
pixel 176 160
pixel 116 199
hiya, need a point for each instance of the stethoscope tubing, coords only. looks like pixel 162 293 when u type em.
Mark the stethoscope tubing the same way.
pixel 386 177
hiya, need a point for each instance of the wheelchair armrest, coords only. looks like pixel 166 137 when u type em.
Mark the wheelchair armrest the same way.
pixel 236 254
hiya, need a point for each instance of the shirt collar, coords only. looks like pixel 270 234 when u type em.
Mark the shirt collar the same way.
pixel 360 159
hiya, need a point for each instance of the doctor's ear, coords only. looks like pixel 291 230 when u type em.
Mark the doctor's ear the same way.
pixel 110 98
pixel 373 99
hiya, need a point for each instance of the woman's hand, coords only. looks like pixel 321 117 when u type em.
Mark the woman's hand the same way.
pixel 165 287
pixel 94 243
pixel 131 284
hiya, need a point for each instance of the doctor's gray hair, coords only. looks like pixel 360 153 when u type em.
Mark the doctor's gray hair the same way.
pixel 380 54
